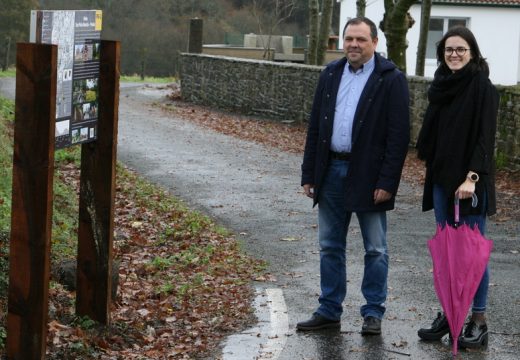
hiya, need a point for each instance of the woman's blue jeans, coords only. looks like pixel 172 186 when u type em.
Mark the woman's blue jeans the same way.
pixel 333 225
pixel 440 205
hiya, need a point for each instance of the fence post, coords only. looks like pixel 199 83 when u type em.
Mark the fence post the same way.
pixel 31 209
pixel 97 196
pixel 195 36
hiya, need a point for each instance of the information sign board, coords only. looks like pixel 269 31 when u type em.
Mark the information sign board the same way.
pixel 77 34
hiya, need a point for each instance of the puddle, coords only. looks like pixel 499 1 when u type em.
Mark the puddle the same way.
pixel 266 340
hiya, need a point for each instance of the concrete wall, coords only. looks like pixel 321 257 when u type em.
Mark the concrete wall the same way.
pixel 239 52
pixel 285 91
pixel 297 55
pixel 281 44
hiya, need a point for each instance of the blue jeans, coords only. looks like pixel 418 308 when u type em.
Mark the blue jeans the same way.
pixel 440 205
pixel 333 224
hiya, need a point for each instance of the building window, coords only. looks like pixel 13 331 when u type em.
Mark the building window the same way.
pixel 437 28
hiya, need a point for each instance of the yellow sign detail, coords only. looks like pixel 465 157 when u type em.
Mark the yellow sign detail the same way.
pixel 99 18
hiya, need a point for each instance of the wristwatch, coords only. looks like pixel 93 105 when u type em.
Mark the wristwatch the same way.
pixel 473 177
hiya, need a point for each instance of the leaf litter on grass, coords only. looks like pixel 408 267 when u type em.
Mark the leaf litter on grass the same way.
pixel 184 284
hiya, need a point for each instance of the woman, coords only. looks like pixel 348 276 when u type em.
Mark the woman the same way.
pixel 457 141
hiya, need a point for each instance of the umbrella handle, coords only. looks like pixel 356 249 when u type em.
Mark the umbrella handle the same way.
pixel 474 203
pixel 456 209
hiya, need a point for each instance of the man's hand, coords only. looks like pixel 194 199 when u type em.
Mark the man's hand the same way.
pixel 308 189
pixel 381 196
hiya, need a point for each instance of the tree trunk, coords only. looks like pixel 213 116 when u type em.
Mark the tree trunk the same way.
pixel 324 33
pixel 280 11
pixel 395 25
pixel 426 8
pixel 313 32
pixel 268 46
pixel 5 65
pixel 143 53
pixel 360 8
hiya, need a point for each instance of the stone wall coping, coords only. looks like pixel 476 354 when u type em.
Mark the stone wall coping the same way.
pixel 253 61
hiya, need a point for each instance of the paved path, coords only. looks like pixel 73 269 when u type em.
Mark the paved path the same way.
pixel 255 191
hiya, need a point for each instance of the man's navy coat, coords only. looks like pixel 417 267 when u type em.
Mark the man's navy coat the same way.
pixel 380 135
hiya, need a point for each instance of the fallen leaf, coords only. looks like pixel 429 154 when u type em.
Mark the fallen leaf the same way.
pixel 400 344
pixel 143 312
pixel 289 238
pixel 137 224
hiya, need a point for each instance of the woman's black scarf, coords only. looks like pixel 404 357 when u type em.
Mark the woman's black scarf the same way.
pixel 451 124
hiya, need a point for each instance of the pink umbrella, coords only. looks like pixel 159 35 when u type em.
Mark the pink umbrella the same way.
pixel 459 256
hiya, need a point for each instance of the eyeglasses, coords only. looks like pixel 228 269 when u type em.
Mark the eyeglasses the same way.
pixel 460 51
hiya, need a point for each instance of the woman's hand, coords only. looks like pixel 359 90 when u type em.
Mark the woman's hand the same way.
pixel 465 190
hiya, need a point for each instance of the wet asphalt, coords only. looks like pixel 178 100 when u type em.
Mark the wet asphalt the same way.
pixel 255 192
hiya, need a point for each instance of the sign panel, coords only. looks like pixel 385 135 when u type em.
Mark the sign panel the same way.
pixel 77 34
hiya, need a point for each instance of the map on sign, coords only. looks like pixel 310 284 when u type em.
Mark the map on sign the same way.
pixel 77 34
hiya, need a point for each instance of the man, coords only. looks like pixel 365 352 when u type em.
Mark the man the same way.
pixel 356 144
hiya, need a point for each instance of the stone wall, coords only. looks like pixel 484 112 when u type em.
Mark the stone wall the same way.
pixel 508 129
pixel 281 91
pixel 284 91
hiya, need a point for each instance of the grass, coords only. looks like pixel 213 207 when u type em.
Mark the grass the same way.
pixel 64 227
pixel 184 255
pixel 10 72
pixel 6 146
pixel 147 79
pixel 65 206
pixel 6 118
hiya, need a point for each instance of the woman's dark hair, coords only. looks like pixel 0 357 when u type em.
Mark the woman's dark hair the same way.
pixel 467 35
pixel 359 20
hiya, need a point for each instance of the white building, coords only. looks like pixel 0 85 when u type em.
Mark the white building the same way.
pixel 495 23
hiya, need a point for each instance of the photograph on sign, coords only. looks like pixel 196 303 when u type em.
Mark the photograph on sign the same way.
pixel 77 34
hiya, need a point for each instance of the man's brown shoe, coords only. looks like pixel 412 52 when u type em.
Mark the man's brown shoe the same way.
pixel 318 322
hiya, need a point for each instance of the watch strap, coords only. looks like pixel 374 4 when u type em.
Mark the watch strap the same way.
pixel 473 177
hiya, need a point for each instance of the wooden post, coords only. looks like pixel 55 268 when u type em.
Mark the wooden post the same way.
pixel 97 196
pixel 31 214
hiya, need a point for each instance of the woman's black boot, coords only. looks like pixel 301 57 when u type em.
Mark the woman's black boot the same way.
pixel 475 336
pixel 438 329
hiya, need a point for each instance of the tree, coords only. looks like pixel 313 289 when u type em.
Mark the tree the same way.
pixel 153 36
pixel 273 12
pixel 324 30
pixel 395 24
pixel 360 8
pixel 426 8
pixel 313 32
pixel 14 20
pixel 319 30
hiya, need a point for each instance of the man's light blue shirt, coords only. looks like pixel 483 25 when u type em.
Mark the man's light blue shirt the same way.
pixel 350 88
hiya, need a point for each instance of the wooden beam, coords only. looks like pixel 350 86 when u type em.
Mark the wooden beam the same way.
pixel 31 210
pixel 97 196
